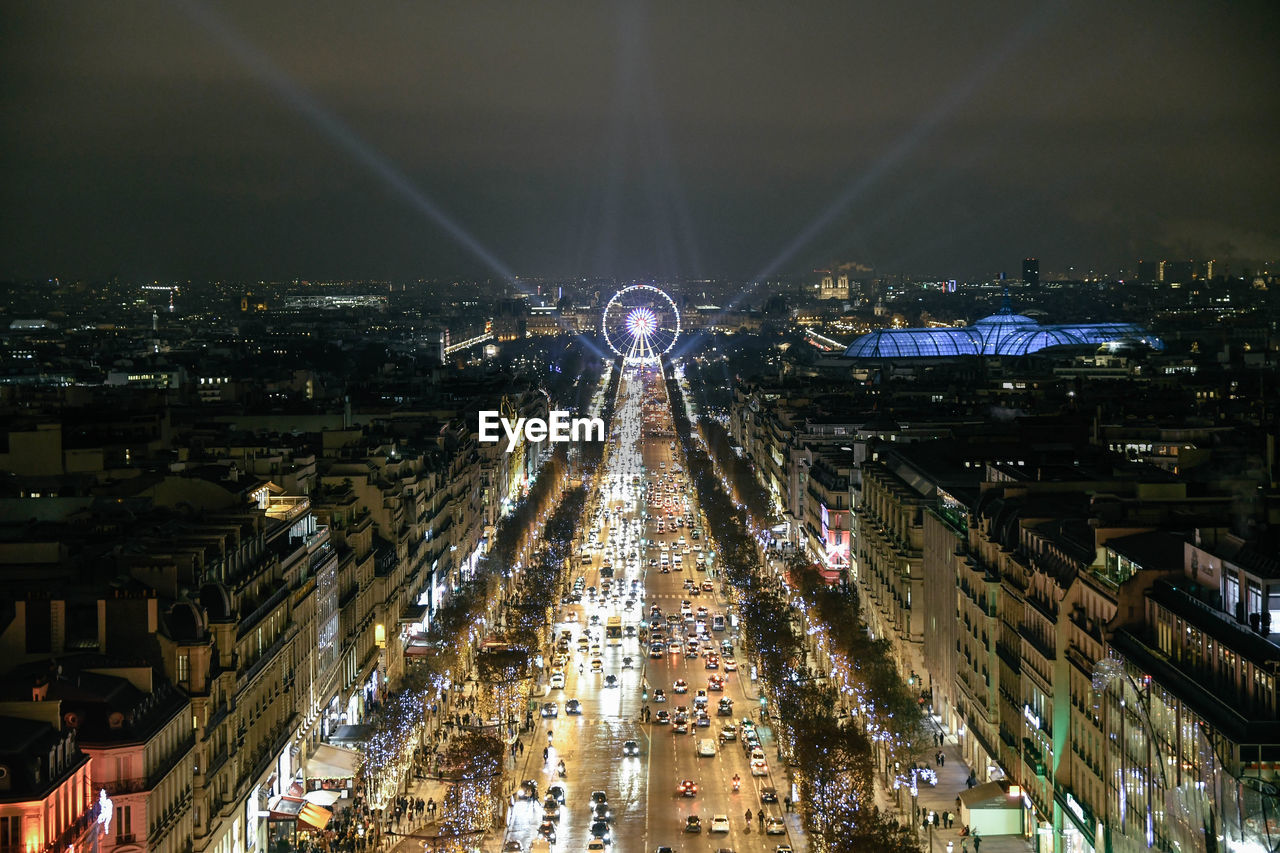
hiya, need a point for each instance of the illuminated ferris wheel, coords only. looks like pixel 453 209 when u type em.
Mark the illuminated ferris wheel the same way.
pixel 641 323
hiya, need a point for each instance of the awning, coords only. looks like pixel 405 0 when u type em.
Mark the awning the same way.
pixel 344 735
pixel 316 816
pixel 324 798
pixel 292 808
pixel 284 808
pixel 332 762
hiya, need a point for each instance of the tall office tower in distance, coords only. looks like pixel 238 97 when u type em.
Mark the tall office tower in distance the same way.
pixel 1031 272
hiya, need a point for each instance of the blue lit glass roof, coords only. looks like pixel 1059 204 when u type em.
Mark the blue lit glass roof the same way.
pixel 1005 333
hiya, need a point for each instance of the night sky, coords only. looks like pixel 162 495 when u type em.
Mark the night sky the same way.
pixel 179 140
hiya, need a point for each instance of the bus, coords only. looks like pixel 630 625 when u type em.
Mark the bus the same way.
pixel 613 631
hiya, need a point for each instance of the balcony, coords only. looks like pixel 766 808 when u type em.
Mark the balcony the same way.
pixel 1033 639
pixel 268 654
pixel 260 611
pixel 115 787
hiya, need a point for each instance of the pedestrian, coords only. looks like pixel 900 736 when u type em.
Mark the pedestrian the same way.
pixel 942 758
pixel 977 843
pixel 760 817
pixel 964 845
pixel 545 752
pixel 787 802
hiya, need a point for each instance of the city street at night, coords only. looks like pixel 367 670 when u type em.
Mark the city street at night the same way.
pixel 644 541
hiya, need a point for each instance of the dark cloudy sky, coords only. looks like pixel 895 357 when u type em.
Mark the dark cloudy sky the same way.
pixel 176 139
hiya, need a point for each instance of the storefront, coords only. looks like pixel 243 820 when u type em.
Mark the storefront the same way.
pixel 1078 829
pixel 294 819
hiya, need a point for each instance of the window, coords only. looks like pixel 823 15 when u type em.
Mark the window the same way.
pixel 124 823
pixel 11 833
pixel 184 668
pixel 124 768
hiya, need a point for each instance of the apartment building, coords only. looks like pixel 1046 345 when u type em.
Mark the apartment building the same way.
pixel 46 803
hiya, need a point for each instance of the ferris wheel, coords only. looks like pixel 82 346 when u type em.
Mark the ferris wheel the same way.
pixel 641 323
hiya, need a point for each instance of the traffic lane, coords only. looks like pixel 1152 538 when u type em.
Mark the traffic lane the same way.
pixel 713 774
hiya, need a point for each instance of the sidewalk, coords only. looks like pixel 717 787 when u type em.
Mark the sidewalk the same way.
pixel 408 838
pixel 942 797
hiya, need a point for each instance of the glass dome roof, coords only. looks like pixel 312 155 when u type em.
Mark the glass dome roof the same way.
pixel 1004 333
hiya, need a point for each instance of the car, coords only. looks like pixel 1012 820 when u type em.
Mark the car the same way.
pixel 573 706
pixel 630 748
pixel 706 748
pixel 551 812
pixel 512 847
pixel 597 665
pixel 775 826
pixel 768 794
pixel 659 695
pixel 713 661
pixel 681 686
pixel 687 788
pixel 759 767
pixel 663 850
pixel 657 650
pixel 716 683
pixel 598 797
pixel 701 719
pixel 729 664
pixel 628 663
pixel 550 709
pixel 601 830
pixel 693 823
pixel 557 680
pixel 602 812
pixel 611 680
pixel 680 726
pixel 556 791
pixel 700 698
pixel 662 717
pixel 595 845
pixel 728 732
pixel 720 823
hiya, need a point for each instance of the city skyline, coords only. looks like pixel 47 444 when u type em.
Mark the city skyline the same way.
pixel 196 141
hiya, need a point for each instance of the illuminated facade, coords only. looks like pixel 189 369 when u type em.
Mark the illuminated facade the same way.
pixel 46 805
pixel 827 525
